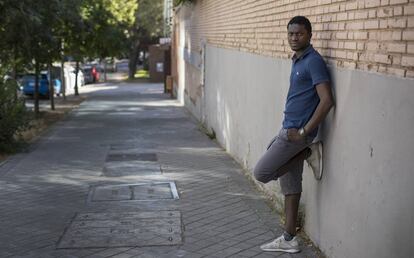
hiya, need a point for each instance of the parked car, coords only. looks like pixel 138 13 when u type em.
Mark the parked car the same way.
pixel 122 65
pixel 81 76
pixel 91 74
pixel 29 81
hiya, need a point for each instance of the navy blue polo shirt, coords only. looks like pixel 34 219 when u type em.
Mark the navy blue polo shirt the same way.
pixel 307 71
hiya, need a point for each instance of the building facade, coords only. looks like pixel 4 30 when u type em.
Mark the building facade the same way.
pixel 231 66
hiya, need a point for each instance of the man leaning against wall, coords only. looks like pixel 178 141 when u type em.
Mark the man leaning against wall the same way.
pixel 308 102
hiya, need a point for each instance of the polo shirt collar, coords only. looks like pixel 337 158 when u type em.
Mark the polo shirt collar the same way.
pixel 307 51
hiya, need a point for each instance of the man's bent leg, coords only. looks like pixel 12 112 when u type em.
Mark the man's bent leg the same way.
pixel 281 157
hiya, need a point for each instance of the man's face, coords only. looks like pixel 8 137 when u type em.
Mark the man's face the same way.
pixel 298 37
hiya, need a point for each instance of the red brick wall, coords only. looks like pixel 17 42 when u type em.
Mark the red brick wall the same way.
pixel 372 35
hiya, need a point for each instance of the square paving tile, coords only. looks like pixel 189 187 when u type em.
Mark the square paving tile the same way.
pixel 131 168
pixel 131 157
pixel 130 229
pixel 134 192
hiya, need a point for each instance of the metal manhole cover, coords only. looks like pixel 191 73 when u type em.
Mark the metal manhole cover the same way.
pixel 132 157
pixel 131 168
pixel 134 192
pixel 133 229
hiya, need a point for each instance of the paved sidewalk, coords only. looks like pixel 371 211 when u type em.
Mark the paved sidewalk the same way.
pixel 102 183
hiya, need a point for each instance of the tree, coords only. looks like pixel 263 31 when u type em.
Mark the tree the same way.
pixel 43 44
pixel 13 34
pixel 13 114
pixel 147 29
pixel 109 21
pixel 28 35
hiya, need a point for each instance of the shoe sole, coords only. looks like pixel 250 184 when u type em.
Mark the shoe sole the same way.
pixel 320 149
pixel 291 251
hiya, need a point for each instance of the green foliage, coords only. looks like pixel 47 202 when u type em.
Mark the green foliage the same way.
pixel 149 21
pixel 37 30
pixel 142 74
pixel 147 29
pixel 14 118
pixel 107 23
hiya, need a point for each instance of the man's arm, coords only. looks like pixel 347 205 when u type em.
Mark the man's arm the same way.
pixel 325 104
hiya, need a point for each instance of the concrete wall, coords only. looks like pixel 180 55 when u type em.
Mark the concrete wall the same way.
pixel 363 206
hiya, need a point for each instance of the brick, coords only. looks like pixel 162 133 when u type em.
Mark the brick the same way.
pixel 341 35
pixel 351 6
pixel 361 46
pixel 383 24
pixel 361 35
pixel 342 16
pixel 333 44
pixel 350 45
pixel 372 46
pixel 355 25
pixel 397 35
pixel 410 48
pixel 398 11
pixel 352 55
pixel 407 61
pixel 351 65
pixel 372 3
pixel 410 22
pixel 392 2
pixel 373 24
pixel 340 54
pixel 397 47
pixel 396 60
pixel 385 12
pixel 334 9
pixel 408 35
pixel 409 10
pixel 381 58
pixel 397 23
pixel 361 15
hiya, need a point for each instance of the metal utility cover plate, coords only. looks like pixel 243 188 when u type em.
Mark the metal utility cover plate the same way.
pixel 130 229
pixel 131 157
pixel 134 192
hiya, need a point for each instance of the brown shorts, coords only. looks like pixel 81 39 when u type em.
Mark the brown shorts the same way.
pixel 280 152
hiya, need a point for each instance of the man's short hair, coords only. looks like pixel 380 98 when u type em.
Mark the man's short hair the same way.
pixel 302 20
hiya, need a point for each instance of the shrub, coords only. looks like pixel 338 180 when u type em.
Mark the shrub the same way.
pixel 14 118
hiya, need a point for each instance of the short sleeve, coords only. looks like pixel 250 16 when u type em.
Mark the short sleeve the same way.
pixel 318 71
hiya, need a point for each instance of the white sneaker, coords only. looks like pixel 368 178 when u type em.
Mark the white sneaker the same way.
pixel 281 245
pixel 315 159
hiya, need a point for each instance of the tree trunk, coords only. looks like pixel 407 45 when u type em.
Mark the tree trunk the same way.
pixel 36 88
pixel 144 60
pixel 14 74
pixel 62 78
pixel 105 70
pixel 51 88
pixel 76 79
pixel 133 58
